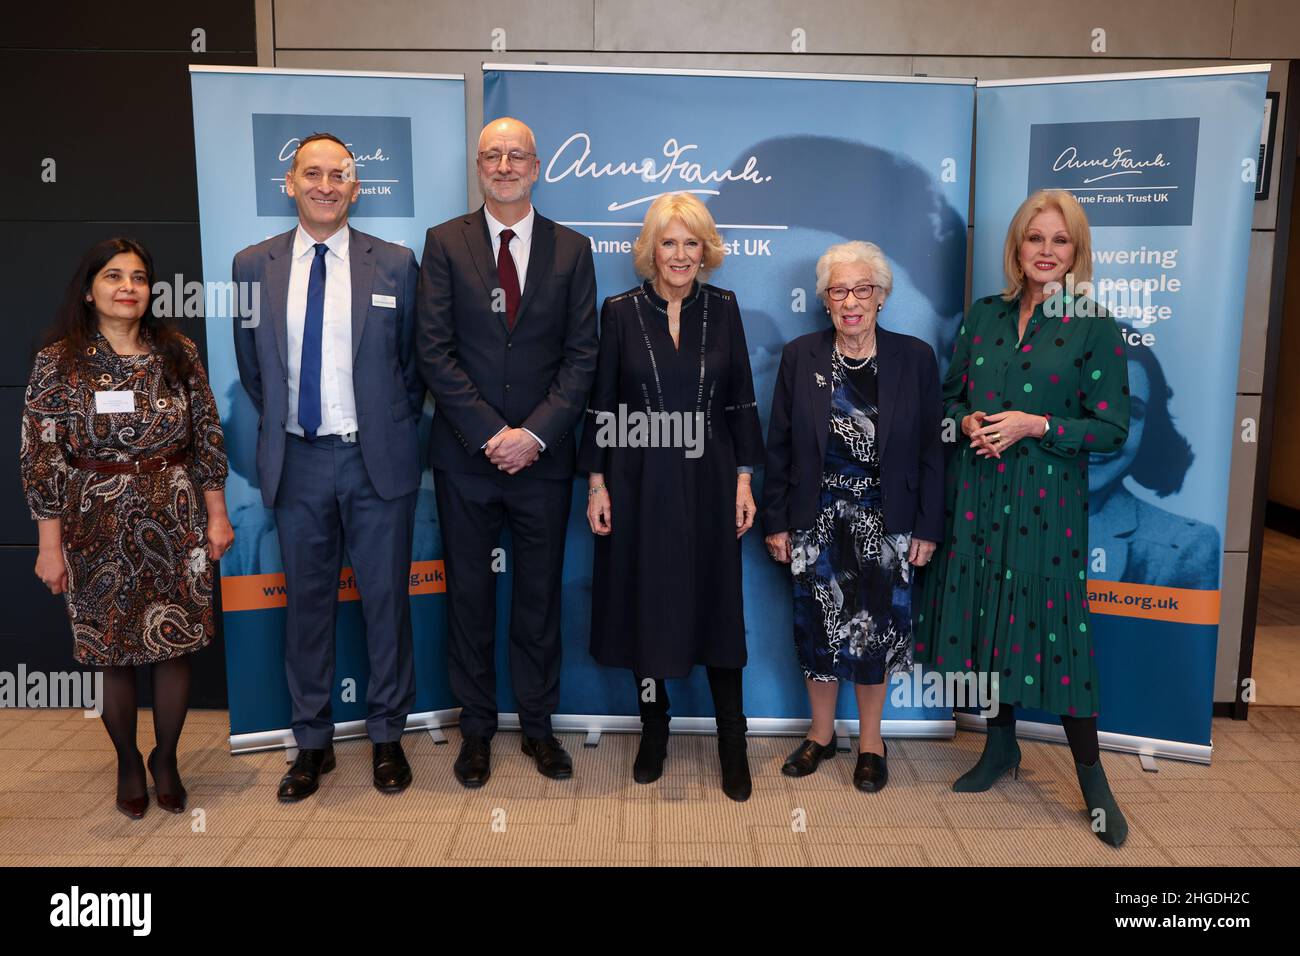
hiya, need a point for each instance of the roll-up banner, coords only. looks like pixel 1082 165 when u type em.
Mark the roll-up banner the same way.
pixel 788 164
pixel 1164 166
pixel 407 134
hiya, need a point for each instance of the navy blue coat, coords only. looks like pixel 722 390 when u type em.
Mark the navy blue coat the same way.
pixel 909 437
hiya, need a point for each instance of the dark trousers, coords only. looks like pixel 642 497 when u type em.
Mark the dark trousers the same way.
pixel 326 499
pixel 727 687
pixel 472 510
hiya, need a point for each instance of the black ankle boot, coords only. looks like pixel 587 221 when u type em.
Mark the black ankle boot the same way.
pixel 736 782
pixel 650 755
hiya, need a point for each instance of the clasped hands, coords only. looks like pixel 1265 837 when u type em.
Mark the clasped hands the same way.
pixel 991 435
pixel 512 450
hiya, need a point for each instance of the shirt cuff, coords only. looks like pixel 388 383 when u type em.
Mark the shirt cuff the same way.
pixel 744 469
pixel 498 432
pixel 536 439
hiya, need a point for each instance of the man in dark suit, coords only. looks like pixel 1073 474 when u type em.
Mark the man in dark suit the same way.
pixel 331 369
pixel 507 345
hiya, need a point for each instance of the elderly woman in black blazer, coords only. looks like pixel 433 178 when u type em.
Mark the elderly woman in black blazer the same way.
pixel 853 498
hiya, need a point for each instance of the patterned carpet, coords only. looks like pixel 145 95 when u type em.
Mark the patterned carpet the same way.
pixel 57 778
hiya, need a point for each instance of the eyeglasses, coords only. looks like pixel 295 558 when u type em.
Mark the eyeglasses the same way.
pixel 517 157
pixel 839 293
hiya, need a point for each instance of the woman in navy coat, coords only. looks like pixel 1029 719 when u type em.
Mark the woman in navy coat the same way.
pixel 853 498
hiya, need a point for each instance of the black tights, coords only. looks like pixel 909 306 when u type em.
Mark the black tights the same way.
pixel 728 701
pixel 171 699
pixel 1081 732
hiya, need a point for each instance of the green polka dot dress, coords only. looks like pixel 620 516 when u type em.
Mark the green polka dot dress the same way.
pixel 1006 592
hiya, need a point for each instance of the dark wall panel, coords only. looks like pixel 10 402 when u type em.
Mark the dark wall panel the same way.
pixel 133 25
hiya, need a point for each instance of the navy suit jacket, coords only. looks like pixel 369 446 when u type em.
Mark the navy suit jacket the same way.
pixel 907 435
pixel 385 381
pixel 482 374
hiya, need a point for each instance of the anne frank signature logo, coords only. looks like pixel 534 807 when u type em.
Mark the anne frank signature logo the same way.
pixel 1118 163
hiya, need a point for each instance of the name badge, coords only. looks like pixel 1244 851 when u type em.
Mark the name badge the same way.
pixel 383 301
pixel 108 403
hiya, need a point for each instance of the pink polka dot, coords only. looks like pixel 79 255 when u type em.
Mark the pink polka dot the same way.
pixel 1067 595
pixel 1088 438
pixel 978 339
pixel 1065 679
pixel 939 659
pixel 1060 429
pixel 990 395
pixel 1062 502
pixel 1038 658
pixel 995 650
pixel 970 516
pixel 1053 378
pixel 988 549
pixel 1092 652
pixel 964 376
pixel 965 484
pixel 1069 533
pixel 1071 711
pixel 1119 350
pixel 1065 320
pixel 1050 604
pixel 1021 492
pixel 1015 648
pixel 1042 492
pixel 1027 348
pixel 1002 466
pixel 920 647
pixel 1011 619
pixel 969 663
pixel 1102 406
pixel 971 385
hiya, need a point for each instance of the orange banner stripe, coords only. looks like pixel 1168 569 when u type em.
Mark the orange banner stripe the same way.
pixel 1181 605
pixel 253 592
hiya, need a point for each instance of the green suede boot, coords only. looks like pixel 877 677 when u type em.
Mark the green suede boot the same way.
pixel 1001 753
pixel 1104 813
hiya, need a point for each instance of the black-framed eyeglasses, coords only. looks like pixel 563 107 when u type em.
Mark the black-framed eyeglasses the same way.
pixel 838 293
pixel 517 157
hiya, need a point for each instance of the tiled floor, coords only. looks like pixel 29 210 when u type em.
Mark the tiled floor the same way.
pixel 56 805
pixel 1276 666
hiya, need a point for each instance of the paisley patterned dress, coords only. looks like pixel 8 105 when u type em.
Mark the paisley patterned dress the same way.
pixel 852 580
pixel 139 579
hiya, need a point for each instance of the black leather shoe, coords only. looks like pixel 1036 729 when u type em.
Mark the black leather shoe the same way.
pixel 392 772
pixel 805 758
pixel 736 782
pixel 871 773
pixel 303 778
pixel 474 765
pixel 171 802
pixel 551 758
pixel 650 755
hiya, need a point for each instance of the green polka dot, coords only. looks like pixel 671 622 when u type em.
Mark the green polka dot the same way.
pixel 1052 636
pixel 1028 387
pixel 1096 374
pixel 1006 509
pixel 1081 577
pixel 1029 678
pixel 980 360
pixel 1049 469
pixel 920 617
pixel 963 330
pixel 1008 574
pixel 1083 627
pixel 981 612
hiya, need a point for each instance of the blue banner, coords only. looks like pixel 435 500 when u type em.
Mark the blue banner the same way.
pixel 1164 167
pixel 788 165
pixel 406 133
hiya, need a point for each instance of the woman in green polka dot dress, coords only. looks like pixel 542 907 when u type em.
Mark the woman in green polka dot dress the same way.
pixel 1038 381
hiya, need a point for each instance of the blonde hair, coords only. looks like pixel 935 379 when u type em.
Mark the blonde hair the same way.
pixel 867 253
pixel 1076 224
pixel 692 214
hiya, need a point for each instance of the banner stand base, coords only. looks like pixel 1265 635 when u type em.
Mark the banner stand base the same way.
pixel 433 722
pixel 1147 748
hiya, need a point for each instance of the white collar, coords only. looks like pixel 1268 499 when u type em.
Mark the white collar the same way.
pixel 337 243
pixel 523 228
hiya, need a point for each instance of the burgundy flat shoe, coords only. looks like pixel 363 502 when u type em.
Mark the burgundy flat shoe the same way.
pixel 135 807
pixel 171 802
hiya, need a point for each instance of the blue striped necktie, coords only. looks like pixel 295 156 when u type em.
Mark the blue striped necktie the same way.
pixel 312 332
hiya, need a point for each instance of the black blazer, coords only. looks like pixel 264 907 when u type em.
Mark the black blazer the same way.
pixel 908 433
pixel 482 375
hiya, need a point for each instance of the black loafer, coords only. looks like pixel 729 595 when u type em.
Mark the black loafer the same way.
pixel 872 772
pixel 550 756
pixel 474 765
pixel 303 778
pixel 392 771
pixel 806 757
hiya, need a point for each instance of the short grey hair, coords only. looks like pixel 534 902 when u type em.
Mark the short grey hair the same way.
pixel 867 253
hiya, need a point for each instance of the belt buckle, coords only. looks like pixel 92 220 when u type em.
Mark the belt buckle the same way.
pixel 137 466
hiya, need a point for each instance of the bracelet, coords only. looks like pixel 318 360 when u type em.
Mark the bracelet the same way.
pixel 595 490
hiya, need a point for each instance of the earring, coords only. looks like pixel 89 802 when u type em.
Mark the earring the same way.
pixel 879 307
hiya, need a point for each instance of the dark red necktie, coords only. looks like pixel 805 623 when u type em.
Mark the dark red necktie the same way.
pixel 508 276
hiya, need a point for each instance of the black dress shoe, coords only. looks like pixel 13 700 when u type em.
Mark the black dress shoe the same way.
pixel 303 778
pixel 134 807
pixel 650 755
pixel 171 802
pixel 550 756
pixel 736 782
pixel 392 772
pixel 871 773
pixel 474 765
pixel 805 758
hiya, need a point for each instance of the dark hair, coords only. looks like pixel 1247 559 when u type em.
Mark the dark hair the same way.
pixel 313 138
pixel 1165 456
pixel 75 324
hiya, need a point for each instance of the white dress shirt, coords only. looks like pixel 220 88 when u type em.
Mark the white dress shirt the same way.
pixel 338 405
pixel 520 246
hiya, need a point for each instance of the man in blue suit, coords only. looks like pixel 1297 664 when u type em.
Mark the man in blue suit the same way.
pixel 330 368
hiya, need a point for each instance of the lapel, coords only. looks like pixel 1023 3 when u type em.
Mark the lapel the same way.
pixel 819 363
pixel 540 258
pixel 479 242
pixel 887 347
pixel 279 261
pixel 361 260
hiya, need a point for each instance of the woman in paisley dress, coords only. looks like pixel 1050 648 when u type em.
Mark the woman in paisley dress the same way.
pixel 852 498
pixel 124 470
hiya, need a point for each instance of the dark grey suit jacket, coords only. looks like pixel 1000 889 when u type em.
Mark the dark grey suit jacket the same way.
pixel 389 393
pixel 485 376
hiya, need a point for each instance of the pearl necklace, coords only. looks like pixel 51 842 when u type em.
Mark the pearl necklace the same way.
pixel 843 360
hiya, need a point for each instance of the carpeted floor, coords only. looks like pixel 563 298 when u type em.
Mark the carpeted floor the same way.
pixel 56 806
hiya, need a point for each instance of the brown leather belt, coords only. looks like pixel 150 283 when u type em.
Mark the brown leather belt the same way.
pixel 140 466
